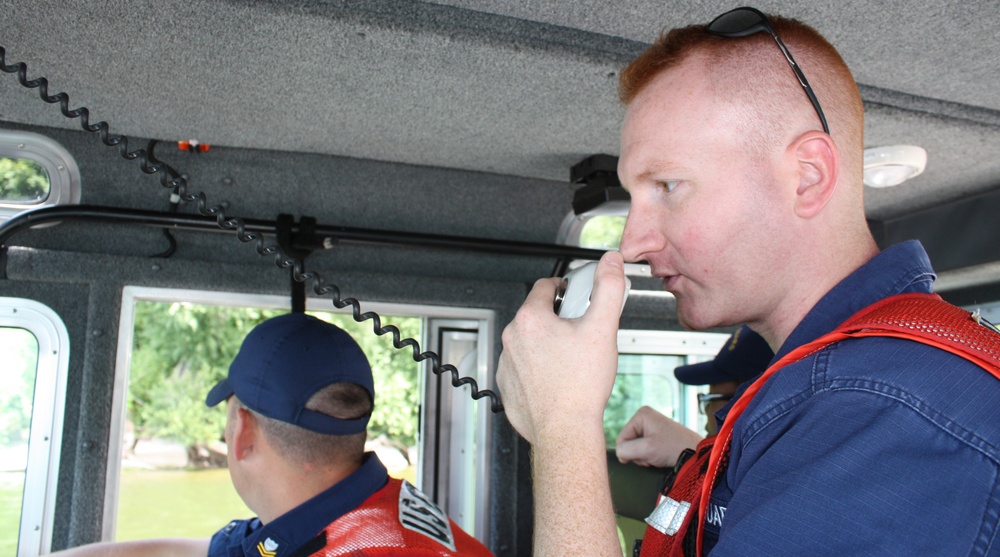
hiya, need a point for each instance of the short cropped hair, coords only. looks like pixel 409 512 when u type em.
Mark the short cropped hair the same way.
pixel 300 445
pixel 752 72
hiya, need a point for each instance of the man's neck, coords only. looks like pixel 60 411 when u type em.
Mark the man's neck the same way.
pixel 813 280
pixel 295 485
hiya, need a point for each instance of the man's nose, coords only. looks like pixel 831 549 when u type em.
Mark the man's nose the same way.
pixel 640 236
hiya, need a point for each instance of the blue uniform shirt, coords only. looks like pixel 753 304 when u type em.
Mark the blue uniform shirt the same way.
pixel 287 533
pixel 874 446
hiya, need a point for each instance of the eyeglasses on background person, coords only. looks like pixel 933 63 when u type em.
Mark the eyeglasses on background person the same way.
pixel 705 399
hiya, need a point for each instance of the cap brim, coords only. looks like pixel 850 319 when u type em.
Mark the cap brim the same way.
pixel 703 373
pixel 221 391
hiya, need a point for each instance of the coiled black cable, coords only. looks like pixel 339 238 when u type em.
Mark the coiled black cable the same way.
pixel 174 204
pixel 169 178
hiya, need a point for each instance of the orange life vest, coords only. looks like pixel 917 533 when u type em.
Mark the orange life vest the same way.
pixel 924 318
pixel 398 520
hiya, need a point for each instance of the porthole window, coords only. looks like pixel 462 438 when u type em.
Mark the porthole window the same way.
pixel 35 171
pixel 23 182
pixel 600 228
pixel 602 232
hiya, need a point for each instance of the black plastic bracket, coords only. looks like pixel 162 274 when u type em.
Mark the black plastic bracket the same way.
pixel 599 174
pixel 298 245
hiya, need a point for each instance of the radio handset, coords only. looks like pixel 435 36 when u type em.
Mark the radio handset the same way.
pixel 573 295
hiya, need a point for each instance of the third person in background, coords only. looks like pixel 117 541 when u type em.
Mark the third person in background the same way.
pixel 652 439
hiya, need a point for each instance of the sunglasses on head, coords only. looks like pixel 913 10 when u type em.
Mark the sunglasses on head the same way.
pixel 743 22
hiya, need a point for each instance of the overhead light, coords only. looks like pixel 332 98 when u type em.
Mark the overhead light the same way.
pixel 890 166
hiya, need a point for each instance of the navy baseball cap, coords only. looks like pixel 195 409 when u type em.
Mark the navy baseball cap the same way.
pixel 744 356
pixel 284 361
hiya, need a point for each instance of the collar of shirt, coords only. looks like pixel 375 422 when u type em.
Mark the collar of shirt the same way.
pixel 903 268
pixel 298 526
pixel 900 269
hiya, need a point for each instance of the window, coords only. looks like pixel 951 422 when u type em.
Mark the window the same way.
pixel 23 182
pixel 646 363
pixel 35 171
pixel 598 229
pixel 602 232
pixel 35 347
pixel 394 433
pixel 643 380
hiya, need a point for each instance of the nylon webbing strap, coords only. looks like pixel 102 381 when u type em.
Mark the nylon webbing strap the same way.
pixel 924 318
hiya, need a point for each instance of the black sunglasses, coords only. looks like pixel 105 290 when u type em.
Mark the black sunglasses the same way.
pixel 743 22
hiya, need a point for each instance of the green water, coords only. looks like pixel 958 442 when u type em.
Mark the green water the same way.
pixel 152 504
pixel 11 486
pixel 176 503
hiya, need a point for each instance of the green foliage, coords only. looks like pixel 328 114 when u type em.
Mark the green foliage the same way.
pixel 397 393
pixel 22 181
pixel 602 232
pixel 17 384
pixel 181 350
pixel 642 380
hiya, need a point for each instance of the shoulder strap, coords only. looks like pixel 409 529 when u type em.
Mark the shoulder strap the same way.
pixel 928 319
pixel 924 318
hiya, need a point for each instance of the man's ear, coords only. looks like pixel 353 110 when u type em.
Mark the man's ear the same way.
pixel 245 432
pixel 818 161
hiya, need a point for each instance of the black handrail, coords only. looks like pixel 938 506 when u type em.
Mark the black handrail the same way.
pixel 329 233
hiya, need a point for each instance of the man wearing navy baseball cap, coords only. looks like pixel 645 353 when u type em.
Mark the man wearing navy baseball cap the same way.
pixel 652 439
pixel 299 395
pixel 286 362
pixel 744 356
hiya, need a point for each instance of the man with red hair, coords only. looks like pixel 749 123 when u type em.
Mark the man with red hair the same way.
pixel 747 200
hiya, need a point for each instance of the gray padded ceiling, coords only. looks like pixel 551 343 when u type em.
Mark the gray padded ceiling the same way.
pixel 509 87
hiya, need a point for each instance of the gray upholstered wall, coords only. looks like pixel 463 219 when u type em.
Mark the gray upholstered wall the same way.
pixel 79 269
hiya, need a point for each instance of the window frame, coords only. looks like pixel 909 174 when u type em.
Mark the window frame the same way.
pixel 48 407
pixel 457 478
pixel 572 227
pixel 573 224
pixel 131 294
pixel 62 170
pixel 693 346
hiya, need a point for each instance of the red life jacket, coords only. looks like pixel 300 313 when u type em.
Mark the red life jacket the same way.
pixel 398 520
pixel 923 318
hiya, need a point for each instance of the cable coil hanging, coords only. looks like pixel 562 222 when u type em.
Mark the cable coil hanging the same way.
pixel 169 178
